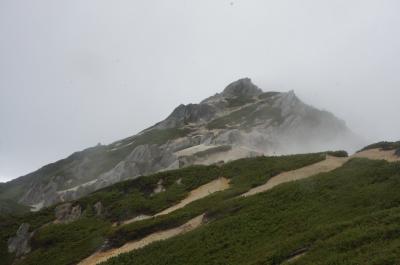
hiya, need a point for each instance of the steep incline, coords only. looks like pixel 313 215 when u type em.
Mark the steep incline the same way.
pixel 241 121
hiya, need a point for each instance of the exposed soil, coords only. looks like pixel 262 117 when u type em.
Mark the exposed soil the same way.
pixel 219 184
pixel 330 163
pixel 378 154
pixel 130 246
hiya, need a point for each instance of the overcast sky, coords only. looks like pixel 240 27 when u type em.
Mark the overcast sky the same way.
pixel 78 72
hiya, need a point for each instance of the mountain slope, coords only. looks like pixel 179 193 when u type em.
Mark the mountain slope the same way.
pixel 57 239
pixel 348 216
pixel 345 216
pixel 242 121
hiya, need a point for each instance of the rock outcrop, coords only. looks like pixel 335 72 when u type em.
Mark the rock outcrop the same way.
pixel 98 208
pixel 67 212
pixel 19 244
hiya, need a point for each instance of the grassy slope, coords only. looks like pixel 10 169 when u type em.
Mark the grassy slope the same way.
pixel 68 243
pixel 348 216
pixel 10 207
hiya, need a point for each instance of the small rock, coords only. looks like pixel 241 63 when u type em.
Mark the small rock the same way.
pixel 159 188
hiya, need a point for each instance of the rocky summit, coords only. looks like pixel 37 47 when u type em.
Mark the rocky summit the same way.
pixel 242 121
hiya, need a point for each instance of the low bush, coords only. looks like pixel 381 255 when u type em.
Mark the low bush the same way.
pixel 348 216
pixel 383 146
pixel 338 153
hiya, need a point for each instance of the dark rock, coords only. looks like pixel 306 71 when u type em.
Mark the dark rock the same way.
pixel 19 244
pixel 397 153
pixel 242 88
pixel 185 114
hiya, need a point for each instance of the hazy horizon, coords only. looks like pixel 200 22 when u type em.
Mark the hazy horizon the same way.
pixel 77 73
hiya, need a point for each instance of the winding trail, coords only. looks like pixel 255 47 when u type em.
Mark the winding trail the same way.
pixel 216 185
pixel 130 246
pixel 329 164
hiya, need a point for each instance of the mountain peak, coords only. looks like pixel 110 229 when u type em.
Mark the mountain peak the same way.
pixel 242 88
pixel 239 122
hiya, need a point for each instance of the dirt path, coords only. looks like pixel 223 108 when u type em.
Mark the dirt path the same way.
pixel 378 154
pixel 330 163
pixel 103 256
pixel 219 184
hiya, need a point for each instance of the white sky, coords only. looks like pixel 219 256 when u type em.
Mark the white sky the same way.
pixel 78 72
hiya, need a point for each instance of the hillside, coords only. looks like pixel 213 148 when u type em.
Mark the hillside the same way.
pixel 242 121
pixel 335 213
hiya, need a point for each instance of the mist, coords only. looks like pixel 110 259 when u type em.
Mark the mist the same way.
pixel 75 73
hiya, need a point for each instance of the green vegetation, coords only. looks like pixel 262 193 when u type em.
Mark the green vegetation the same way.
pixel 338 153
pixel 9 225
pixel 8 207
pixel 244 175
pixel 348 216
pixel 65 244
pixel 383 145
pixel 130 198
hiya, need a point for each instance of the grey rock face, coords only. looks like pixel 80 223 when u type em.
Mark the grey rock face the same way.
pixel 66 213
pixel 19 244
pixel 241 88
pixel 143 160
pixel 228 137
pixel 186 114
pixel 245 122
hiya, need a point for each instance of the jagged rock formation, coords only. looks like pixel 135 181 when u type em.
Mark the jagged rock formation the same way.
pixel 66 213
pixel 19 244
pixel 242 121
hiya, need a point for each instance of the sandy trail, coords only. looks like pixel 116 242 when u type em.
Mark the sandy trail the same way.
pixel 330 163
pixel 103 256
pixel 219 184
pixel 377 154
